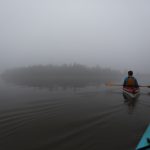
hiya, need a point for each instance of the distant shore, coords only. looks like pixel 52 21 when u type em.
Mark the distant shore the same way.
pixel 65 75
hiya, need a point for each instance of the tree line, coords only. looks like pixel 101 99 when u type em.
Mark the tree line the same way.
pixel 75 75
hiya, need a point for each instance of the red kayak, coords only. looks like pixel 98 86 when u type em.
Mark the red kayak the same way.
pixel 131 92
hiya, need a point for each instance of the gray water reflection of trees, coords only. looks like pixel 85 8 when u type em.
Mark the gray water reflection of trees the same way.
pixel 65 76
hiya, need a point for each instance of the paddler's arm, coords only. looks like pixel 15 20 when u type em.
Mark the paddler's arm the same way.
pixel 136 83
pixel 125 81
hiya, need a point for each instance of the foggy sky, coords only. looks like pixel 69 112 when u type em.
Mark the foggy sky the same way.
pixel 109 33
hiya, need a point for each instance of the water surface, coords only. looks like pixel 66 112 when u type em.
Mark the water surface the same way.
pixel 88 118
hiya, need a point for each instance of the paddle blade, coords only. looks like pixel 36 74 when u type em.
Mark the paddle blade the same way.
pixel 112 84
pixel 109 84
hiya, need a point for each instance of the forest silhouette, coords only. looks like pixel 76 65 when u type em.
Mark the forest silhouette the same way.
pixel 75 75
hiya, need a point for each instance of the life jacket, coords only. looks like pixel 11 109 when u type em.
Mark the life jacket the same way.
pixel 130 81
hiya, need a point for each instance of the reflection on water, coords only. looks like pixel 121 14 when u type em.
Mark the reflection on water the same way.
pixel 88 118
pixel 56 84
pixel 131 103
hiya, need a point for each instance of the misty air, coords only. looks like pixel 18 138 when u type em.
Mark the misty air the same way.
pixel 74 75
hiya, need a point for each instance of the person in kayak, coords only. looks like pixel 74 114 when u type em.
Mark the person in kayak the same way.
pixel 130 81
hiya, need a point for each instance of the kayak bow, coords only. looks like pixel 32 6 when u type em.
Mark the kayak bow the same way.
pixel 144 143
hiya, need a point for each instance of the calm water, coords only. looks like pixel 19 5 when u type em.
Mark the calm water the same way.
pixel 91 118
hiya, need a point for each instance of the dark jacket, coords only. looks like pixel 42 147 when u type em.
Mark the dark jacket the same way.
pixel 126 82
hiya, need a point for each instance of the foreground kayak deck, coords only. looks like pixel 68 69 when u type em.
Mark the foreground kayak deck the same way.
pixel 144 143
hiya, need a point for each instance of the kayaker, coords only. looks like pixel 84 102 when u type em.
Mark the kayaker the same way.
pixel 130 81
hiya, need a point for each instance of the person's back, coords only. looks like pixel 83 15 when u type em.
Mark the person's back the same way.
pixel 130 81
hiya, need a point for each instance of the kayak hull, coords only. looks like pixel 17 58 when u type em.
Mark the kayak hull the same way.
pixel 144 143
pixel 131 92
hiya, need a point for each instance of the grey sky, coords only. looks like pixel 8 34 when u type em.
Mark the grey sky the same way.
pixel 109 33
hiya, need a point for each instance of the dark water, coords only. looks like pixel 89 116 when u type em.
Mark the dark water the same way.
pixel 91 118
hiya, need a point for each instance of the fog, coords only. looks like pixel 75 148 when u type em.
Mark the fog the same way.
pixel 113 34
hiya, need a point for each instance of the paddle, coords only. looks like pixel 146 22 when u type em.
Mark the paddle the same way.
pixel 148 86
pixel 111 84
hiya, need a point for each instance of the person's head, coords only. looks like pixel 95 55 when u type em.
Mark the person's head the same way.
pixel 130 73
